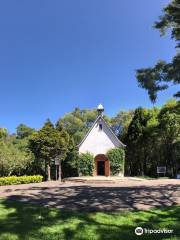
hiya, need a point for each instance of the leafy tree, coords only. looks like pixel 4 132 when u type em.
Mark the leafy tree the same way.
pixel 49 144
pixel 62 147
pixel 169 125
pixel 151 143
pixel 24 131
pixel 120 123
pixel 153 140
pixel 15 156
pixel 42 145
pixel 70 163
pixel 3 133
pixel 13 160
pixel 78 122
pixel 158 77
pixel 135 160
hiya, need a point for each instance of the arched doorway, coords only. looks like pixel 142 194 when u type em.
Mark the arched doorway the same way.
pixel 102 166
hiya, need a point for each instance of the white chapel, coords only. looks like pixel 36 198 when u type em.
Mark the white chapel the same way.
pixel 98 141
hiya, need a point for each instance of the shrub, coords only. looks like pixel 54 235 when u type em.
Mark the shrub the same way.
pixel 86 164
pixel 12 180
pixel 116 157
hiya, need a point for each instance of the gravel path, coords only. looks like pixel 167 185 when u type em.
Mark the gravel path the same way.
pixel 121 195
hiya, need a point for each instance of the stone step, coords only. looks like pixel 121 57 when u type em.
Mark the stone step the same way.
pixel 95 180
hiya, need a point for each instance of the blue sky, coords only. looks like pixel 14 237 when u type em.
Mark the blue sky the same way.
pixel 56 55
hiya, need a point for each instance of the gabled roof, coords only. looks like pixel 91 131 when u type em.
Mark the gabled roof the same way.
pixel 107 125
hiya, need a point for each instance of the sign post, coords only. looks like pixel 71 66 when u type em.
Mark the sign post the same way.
pixel 57 164
pixel 161 170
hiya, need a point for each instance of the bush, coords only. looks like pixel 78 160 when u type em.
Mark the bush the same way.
pixel 12 180
pixel 116 158
pixel 86 164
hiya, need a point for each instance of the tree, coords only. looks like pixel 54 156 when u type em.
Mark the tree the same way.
pixel 49 144
pixel 153 139
pixel 120 123
pixel 151 143
pixel 135 160
pixel 3 133
pixel 61 150
pixel 13 159
pixel 70 163
pixel 78 122
pixel 157 78
pixel 169 125
pixel 24 131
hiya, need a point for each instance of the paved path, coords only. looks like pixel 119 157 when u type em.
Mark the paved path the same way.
pixel 124 194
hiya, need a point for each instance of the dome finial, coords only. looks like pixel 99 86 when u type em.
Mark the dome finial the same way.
pixel 100 109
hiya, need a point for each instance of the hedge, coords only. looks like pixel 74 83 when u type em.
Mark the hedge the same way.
pixel 85 164
pixel 12 180
pixel 116 157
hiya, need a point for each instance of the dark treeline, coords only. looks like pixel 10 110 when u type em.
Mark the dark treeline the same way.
pixel 152 137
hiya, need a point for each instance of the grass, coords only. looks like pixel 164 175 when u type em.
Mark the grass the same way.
pixel 22 221
pixel 151 178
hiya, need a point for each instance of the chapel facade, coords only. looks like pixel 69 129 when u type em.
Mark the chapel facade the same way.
pixel 98 141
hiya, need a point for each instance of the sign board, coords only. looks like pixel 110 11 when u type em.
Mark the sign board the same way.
pixel 178 176
pixel 57 162
pixel 161 170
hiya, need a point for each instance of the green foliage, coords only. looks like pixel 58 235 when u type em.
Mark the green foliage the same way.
pixel 169 118
pixel 85 164
pixel 49 144
pixel 157 78
pixel 12 180
pixel 153 139
pixel 78 122
pixel 70 163
pixel 169 127
pixel 15 156
pixel 42 142
pixel 135 140
pixel 116 157
pixel 24 131
pixel 3 133
pixel 120 123
pixel 14 159
pixel 170 20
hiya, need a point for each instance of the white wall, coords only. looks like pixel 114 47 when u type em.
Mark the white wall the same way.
pixel 99 141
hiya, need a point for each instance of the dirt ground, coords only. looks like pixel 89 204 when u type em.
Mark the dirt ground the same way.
pixel 126 194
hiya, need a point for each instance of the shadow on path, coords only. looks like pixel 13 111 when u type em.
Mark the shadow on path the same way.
pixel 90 198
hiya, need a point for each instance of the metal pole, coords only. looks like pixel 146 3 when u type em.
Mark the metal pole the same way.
pixel 59 170
pixel 56 172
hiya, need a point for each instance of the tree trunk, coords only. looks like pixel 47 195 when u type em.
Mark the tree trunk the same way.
pixel 59 178
pixel 45 170
pixel 49 172
pixel 142 167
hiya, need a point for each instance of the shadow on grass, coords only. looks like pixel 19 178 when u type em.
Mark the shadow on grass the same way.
pixel 24 221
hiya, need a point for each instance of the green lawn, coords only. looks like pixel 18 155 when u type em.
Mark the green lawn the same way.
pixel 151 178
pixel 29 222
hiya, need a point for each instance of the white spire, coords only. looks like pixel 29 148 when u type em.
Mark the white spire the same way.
pixel 100 109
